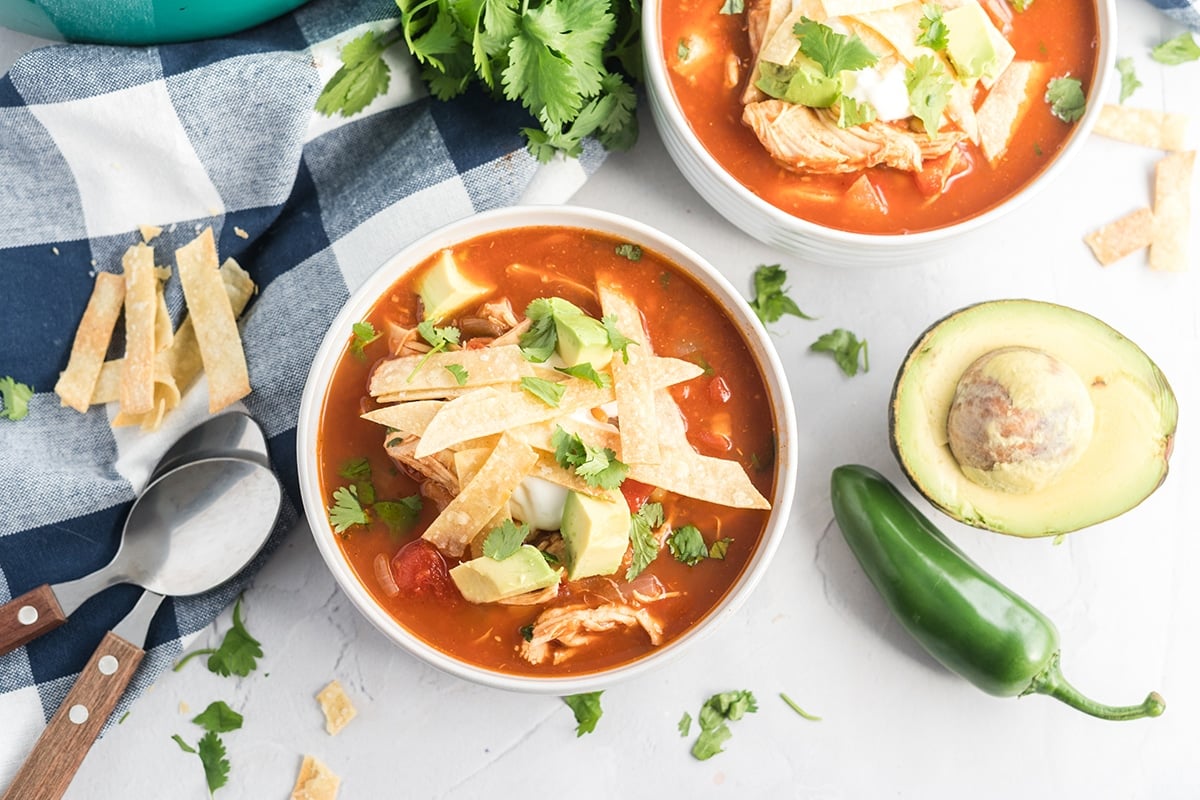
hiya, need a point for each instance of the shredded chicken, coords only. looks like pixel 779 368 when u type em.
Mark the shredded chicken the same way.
pixel 557 630
pixel 809 140
pixel 430 469
pixel 534 598
pixel 404 341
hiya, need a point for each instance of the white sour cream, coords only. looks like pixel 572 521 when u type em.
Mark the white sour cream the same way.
pixel 885 91
pixel 538 503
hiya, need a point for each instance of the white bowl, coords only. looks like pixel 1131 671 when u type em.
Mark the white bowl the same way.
pixel 365 297
pixel 778 228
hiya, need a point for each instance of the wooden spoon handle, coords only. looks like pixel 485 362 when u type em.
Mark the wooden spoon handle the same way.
pixel 56 756
pixel 26 617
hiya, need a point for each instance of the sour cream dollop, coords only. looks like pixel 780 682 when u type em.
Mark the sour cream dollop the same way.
pixel 885 91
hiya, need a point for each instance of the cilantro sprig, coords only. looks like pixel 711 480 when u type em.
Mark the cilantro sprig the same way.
pixel 570 63
pixel 1129 78
pixel 1179 50
pixel 216 719
pixel 833 51
pixel 587 710
pixel 439 339
pixel 771 301
pixel 363 334
pixel 238 654
pixel 714 717
pixel 548 392
pixel 934 33
pixel 618 341
pixel 504 540
pixel 687 545
pixel 14 397
pixel 846 348
pixel 347 510
pixel 641 535
pixel 928 91
pixel 598 466
pixel 1066 98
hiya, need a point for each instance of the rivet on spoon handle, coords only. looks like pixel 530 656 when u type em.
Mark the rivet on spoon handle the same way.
pixel 60 750
pixel 29 616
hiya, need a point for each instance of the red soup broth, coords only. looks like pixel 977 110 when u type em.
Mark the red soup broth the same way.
pixel 1062 34
pixel 727 410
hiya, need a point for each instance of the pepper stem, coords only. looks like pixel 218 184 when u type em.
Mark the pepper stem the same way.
pixel 1051 682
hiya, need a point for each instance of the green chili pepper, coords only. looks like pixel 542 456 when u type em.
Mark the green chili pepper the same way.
pixel 965 619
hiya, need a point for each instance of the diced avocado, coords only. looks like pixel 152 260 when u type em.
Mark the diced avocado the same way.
pixel 976 49
pixel 486 580
pixel 802 83
pixel 580 339
pixel 596 533
pixel 444 289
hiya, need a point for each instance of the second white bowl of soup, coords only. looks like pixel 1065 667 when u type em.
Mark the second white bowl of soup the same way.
pixel 865 132
pixel 544 448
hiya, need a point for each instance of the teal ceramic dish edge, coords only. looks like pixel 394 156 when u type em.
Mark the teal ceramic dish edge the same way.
pixel 137 22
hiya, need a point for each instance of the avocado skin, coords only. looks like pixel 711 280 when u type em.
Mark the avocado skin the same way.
pixel 897 448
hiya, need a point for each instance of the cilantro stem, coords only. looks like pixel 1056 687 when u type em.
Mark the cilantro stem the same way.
pixel 204 652
pixel 792 705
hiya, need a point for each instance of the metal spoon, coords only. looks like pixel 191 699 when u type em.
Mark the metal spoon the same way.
pixel 46 607
pixel 192 529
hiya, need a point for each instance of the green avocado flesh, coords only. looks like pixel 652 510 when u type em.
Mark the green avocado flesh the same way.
pixel 1125 460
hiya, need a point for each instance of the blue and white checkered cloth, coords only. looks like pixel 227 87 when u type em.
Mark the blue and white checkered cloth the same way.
pixel 95 141
pixel 1185 12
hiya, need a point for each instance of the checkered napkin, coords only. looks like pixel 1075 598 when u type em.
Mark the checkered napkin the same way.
pixel 1186 12
pixel 95 141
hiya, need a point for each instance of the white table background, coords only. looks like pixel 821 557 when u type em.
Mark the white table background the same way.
pixel 896 724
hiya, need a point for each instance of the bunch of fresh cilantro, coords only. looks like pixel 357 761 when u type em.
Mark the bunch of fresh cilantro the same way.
pixel 571 63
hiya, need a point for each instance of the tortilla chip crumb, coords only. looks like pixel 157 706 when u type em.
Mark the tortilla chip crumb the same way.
pixel 241 234
pixel 184 707
pixel 336 706
pixel 149 232
pixel 1118 239
pixel 315 781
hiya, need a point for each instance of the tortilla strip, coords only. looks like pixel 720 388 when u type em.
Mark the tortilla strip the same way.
pixel 484 366
pixel 715 480
pixel 1172 211
pixel 1118 239
pixel 182 358
pixel 315 782
pixel 847 8
pixel 166 398
pixel 411 418
pixel 481 499
pixel 336 706
pixel 164 331
pixel 1005 106
pixel 548 469
pixel 77 382
pixel 213 321
pixel 1142 126
pixel 137 377
pixel 448 393
pixel 632 379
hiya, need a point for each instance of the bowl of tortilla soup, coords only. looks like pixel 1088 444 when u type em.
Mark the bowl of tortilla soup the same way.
pixel 544 448
pixel 874 131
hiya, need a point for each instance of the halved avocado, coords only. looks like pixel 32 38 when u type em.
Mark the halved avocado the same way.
pixel 1016 414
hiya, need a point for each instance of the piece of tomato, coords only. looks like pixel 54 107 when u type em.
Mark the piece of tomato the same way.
pixel 636 494
pixel 420 572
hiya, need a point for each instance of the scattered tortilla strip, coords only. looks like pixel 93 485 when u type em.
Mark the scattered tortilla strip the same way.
pixel 448 393
pixel 481 499
pixel 468 461
pixel 213 322
pixel 336 707
pixel 672 430
pixel 315 781
pixel 164 331
pixel 141 308
pixel 484 366
pixel 548 469
pixel 1118 239
pixel 1172 211
pixel 166 398
pixel 715 480
pixel 77 382
pixel 1005 106
pixel 411 418
pixel 1142 126
pixel 149 232
pixel 632 379
pixel 847 8
pixel 163 273
pixel 540 435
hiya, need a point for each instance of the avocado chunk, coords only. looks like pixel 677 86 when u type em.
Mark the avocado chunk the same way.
pixel 444 289
pixel 976 48
pixel 802 82
pixel 596 534
pixel 582 338
pixel 486 580
pixel 1088 419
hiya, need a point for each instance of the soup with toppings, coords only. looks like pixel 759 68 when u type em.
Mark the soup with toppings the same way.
pixel 877 116
pixel 547 451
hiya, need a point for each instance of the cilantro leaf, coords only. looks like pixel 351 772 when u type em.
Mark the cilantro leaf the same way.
pixel 538 343
pixel 928 91
pixel 641 536
pixel 362 77
pixel 597 466
pixel 438 338
pixel 460 373
pixel 346 509
pixel 364 334
pixel 213 757
pixel 588 373
pixel 1065 96
pixel 685 724
pixel 794 707
pixel 630 251
pixel 833 51
pixel 504 540
pixel 687 545
pixel 845 348
pixel 184 746
pixel 1181 49
pixel 356 469
pixel 586 708
pixel 238 652
pixel 719 548
pixel 714 714
pixel 851 112
pixel 218 718
pixel 15 397
pixel 771 301
pixel 1129 78
pixel 618 341
pixel 934 33
pixel 526 632
pixel 548 392
pixel 399 515
pixel 1020 6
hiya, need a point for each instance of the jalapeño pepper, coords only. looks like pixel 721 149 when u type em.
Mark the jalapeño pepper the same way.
pixel 965 619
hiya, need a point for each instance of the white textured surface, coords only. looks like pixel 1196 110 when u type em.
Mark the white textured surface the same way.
pixel 895 724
